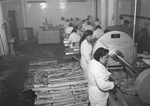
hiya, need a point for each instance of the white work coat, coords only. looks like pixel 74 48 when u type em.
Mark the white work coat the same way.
pixel 89 27
pixel 83 26
pixel 69 30
pixel 86 54
pixel 62 23
pixel 66 25
pixel 99 84
pixel 74 37
pixel 96 23
pixel 97 33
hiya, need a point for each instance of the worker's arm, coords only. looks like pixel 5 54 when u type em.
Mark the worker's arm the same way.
pixel 94 35
pixel 70 39
pixel 104 84
pixel 102 81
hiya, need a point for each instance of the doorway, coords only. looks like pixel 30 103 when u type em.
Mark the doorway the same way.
pixel 13 26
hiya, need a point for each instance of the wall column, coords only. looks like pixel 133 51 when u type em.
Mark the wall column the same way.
pixel 93 3
pixel 112 12
pixel 116 11
pixel 99 9
pixel 3 38
pixel 23 3
pixel 104 14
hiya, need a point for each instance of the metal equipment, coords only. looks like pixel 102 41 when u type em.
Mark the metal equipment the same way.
pixel 73 52
pixel 135 90
pixel 117 40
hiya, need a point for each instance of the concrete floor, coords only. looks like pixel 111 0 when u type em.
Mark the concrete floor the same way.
pixel 13 71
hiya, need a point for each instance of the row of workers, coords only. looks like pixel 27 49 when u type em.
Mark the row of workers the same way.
pixel 75 35
pixel 74 32
pixel 87 22
pixel 94 66
pixel 95 70
pixel 77 21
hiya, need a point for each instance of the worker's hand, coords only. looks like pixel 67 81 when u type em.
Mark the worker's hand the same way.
pixel 117 81
pixel 112 77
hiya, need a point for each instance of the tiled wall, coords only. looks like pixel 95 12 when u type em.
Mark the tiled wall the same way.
pixel 125 7
pixel 16 5
pixel 4 10
pixel 143 9
pixel 5 17
pixel 11 5
pixel 54 9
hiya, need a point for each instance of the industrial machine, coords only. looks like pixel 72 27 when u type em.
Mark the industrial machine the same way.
pixel 134 90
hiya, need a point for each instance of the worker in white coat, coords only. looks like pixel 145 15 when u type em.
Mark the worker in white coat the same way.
pixel 84 24
pixel 98 78
pixel 85 50
pixel 69 29
pixel 97 33
pixel 74 38
pixel 66 24
pixel 89 26
pixel 61 23
pixel 97 22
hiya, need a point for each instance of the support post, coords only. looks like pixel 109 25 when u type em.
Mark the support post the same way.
pixel 3 41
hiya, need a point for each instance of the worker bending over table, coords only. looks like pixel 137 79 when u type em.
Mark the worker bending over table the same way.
pixel 74 39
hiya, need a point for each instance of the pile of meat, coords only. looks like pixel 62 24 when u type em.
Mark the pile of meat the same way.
pixel 59 84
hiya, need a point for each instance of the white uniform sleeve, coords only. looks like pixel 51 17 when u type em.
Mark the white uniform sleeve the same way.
pixel 86 52
pixel 93 35
pixel 102 81
pixel 70 39
pixel 78 38
pixel 83 27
